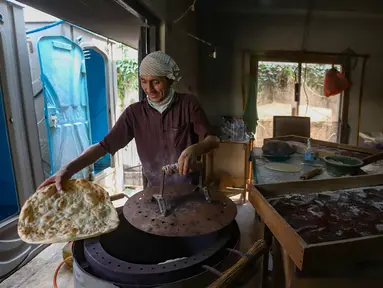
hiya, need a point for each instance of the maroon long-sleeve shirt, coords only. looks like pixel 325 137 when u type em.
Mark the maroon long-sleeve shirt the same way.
pixel 160 138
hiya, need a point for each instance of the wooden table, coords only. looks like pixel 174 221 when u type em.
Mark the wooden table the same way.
pixel 266 176
pixel 294 259
pixel 283 270
pixel 328 148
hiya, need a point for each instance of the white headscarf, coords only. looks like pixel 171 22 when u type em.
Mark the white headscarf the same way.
pixel 160 64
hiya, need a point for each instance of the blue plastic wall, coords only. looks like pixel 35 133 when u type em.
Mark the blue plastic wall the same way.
pixel 8 194
pixel 98 109
pixel 63 75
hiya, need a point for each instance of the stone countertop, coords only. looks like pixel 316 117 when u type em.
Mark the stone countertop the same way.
pixel 39 272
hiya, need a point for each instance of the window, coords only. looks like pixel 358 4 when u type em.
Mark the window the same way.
pixel 277 82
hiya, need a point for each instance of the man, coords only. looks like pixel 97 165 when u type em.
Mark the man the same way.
pixel 166 127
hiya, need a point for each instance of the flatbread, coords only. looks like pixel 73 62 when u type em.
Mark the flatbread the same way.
pixel 283 167
pixel 81 210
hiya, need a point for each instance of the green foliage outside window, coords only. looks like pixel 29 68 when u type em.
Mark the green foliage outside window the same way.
pixel 278 76
pixel 127 75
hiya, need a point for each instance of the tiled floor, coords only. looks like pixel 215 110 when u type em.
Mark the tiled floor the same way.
pixel 39 272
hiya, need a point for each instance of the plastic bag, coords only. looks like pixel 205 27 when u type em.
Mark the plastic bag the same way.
pixel 234 129
pixel 372 140
pixel 334 82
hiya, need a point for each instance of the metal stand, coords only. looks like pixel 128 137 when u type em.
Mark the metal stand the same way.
pixel 164 207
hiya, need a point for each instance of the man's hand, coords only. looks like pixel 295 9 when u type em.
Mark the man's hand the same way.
pixel 187 157
pixel 190 154
pixel 87 157
pixel 58 178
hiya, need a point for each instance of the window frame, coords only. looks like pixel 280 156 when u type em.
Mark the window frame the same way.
pixel 301 57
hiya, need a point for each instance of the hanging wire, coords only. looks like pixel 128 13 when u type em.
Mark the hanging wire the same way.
pixel 313 94
pixel 345 59
pixel 190 8
pixel 198 39
pixel 213 54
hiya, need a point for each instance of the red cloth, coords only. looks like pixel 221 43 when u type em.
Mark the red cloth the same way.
pixel 334 82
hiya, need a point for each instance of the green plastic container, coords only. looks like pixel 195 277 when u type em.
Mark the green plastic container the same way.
pixel 338 165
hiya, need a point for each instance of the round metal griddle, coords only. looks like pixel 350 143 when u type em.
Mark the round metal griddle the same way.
pixel 190 213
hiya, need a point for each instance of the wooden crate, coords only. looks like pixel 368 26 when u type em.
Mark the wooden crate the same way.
pixel 321 256
pixel 336 283
pixel 231 158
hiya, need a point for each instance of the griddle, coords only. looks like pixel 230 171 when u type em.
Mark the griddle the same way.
pixel 191 212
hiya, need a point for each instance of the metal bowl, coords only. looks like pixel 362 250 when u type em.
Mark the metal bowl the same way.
pixel 339 165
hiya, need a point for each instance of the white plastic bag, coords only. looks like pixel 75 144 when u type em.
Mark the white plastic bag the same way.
pixel 372 139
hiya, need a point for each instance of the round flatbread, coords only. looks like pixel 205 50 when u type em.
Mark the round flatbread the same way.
pixel 283 167
pixel 81 210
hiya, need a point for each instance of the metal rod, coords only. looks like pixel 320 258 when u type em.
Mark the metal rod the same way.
pixel 212 270
pixel 239 253
pixel 298 96
pixel 162 184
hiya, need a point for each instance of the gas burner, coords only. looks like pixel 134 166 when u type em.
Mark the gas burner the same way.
pixel 129 257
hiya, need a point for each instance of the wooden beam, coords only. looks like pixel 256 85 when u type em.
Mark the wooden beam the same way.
pixel 360 98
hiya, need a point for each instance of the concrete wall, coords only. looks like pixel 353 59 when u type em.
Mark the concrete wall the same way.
pixel 220 79
pixel 176 42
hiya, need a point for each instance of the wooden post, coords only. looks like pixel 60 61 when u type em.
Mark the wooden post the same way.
pixel 229 277
pixel 245 177
pixel 288 268
pixel 267 237
pixel 360 97
pixel 249 167
pixel 278 274
pixel 344 127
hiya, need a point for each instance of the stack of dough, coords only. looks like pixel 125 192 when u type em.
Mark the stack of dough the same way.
pixel 80 210
pixel 278 148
